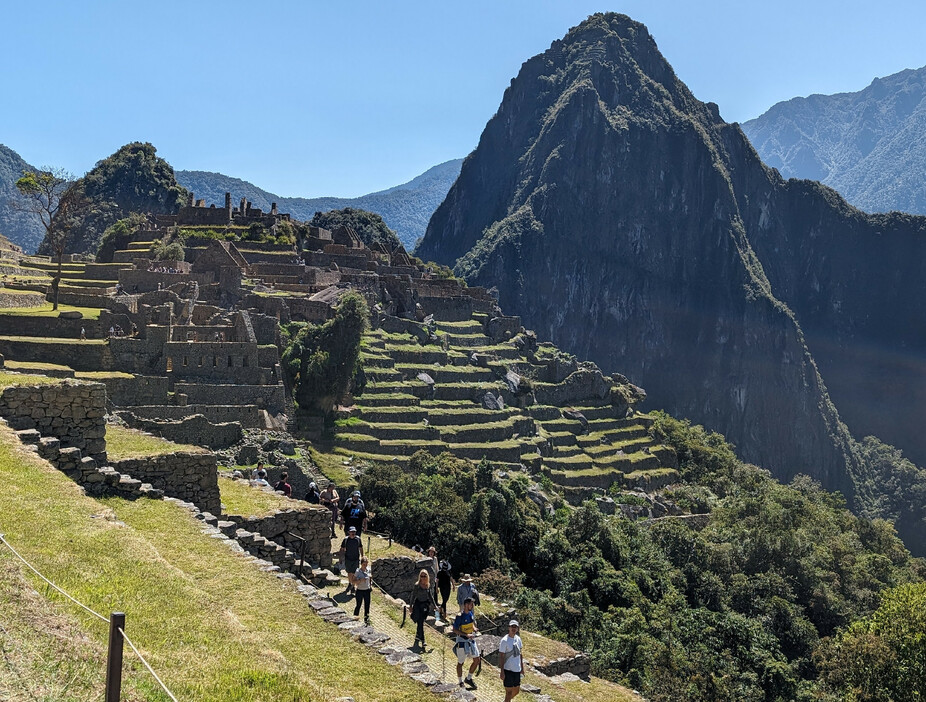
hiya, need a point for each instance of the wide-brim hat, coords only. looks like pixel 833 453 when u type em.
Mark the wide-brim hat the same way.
pixel 466 578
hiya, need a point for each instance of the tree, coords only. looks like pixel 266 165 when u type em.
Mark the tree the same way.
pixel 321 360
pixel 369 226
pixel 49 197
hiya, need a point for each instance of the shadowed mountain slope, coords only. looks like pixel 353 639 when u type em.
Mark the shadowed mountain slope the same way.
pixel 624 220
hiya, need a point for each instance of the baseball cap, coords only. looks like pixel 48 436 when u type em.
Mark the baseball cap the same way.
pixel 514 622
pixel 352 529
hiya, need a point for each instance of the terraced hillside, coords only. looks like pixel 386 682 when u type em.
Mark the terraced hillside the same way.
pixel 511 401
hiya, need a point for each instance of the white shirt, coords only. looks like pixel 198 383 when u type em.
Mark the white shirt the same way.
pixel 511 646
pixel 362 579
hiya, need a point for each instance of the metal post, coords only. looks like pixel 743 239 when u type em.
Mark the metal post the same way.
pixel 114 657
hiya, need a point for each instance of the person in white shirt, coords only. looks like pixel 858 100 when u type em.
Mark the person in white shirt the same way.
pixel 509 661
pixel 363 584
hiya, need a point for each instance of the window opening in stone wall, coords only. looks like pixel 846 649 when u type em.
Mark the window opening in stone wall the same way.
pixel 186 361
pixel 170 364
pixel 215 361
pixel 230 362
pixel 244 361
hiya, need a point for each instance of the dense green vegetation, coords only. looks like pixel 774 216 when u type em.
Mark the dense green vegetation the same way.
pixel 738 610
pixel 369 226
pixel 320 360
pixel 133 179
pixel 117 236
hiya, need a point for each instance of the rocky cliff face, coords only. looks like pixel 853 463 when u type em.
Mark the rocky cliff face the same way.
pixel 867 144
pixel 627 222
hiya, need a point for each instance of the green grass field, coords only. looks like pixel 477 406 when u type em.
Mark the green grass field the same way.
pixel 47 311
pixel 214 627
pixel 123 443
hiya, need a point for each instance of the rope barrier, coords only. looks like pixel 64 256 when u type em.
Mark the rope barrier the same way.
pixel 95 614
pixel 145 663
pixel 33 569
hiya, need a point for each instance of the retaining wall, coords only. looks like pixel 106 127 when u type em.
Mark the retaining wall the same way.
pixel 71 411
pixel 308 521
pixel 191 477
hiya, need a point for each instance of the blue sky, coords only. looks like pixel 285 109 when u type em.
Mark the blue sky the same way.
pixel 342 98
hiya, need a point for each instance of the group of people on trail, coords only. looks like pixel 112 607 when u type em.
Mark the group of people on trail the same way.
pixel 423 602
pixel 352 514
pixel 259 479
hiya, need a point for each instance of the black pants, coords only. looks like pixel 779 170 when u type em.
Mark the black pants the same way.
pixel 444 596
pixel 420 612
pixel 363 596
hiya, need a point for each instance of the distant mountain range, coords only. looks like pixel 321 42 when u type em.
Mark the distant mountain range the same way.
pixel 867 145
pixel 21 228
pixel 406 208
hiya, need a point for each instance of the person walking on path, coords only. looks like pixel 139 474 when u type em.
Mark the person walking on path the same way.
pixel 422 602
pixel 467 589
pixel 509 661
pixel 313 495
pixel 354 513
pixel 351 553
pixel 363 583
pixel 464 626
pixel 444 586
pixel 330 499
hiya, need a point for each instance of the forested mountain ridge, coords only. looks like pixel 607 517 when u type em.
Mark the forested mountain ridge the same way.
pixel 21 228
pixel 406 208
pixel 868 144
pixel 627 222
pixel 134 179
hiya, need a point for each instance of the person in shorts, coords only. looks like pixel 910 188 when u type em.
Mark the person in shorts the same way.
pixel 464 626
pixel 509 661
pixel 351 553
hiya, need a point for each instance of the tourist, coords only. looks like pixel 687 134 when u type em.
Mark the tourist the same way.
pixel 329 498
pixel 112 332
pixel 444 585
pixel 83 334
pixel 351 552
pixel 509 661
pixel 422 603
pixel 467 589
pixel 261 480
pixel 363 585
pixel 313 495
pixel 435 564
pixel 354 513
pixel 464 626
pixel 283 486
pixel 260 467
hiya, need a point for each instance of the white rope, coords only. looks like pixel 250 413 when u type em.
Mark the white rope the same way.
pixel 150 669
pixel 32 568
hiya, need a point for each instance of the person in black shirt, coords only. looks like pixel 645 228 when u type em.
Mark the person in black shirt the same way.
pixel 313 495
pixel 283 486
pixel 354 514
pixel 351 553
pixel 444 586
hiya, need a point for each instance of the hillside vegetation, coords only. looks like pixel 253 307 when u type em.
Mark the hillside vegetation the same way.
pixel 738 610
pixel 22 228
pixel 134 179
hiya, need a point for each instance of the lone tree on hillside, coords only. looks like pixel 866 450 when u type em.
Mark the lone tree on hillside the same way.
pixel 49 197
pixel 321 360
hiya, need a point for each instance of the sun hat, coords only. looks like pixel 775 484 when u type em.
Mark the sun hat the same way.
pixel 466 578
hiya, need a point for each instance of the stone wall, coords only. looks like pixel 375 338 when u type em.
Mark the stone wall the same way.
pixel 270 397
pixel 398 575
pixel 71 411
pixel 11 299
pixel 22 325
pixel 137 390
pixel 86 356
pixel 191 477
pixel 247 415
pixel 196 430
pixel 311 522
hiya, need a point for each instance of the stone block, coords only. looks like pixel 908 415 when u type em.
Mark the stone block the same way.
pixel 29 436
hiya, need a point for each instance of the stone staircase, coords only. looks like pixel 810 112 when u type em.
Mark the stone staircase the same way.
pixel 83 470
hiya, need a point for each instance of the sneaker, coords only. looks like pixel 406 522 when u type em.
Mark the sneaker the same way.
pixel 366 620
pixel 461 685
pixel 471 683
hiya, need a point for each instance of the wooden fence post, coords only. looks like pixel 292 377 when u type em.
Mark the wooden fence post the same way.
pixel 114 657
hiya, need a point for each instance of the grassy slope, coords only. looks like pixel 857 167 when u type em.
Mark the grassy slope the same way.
pixel 215 628
pixel 122 443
